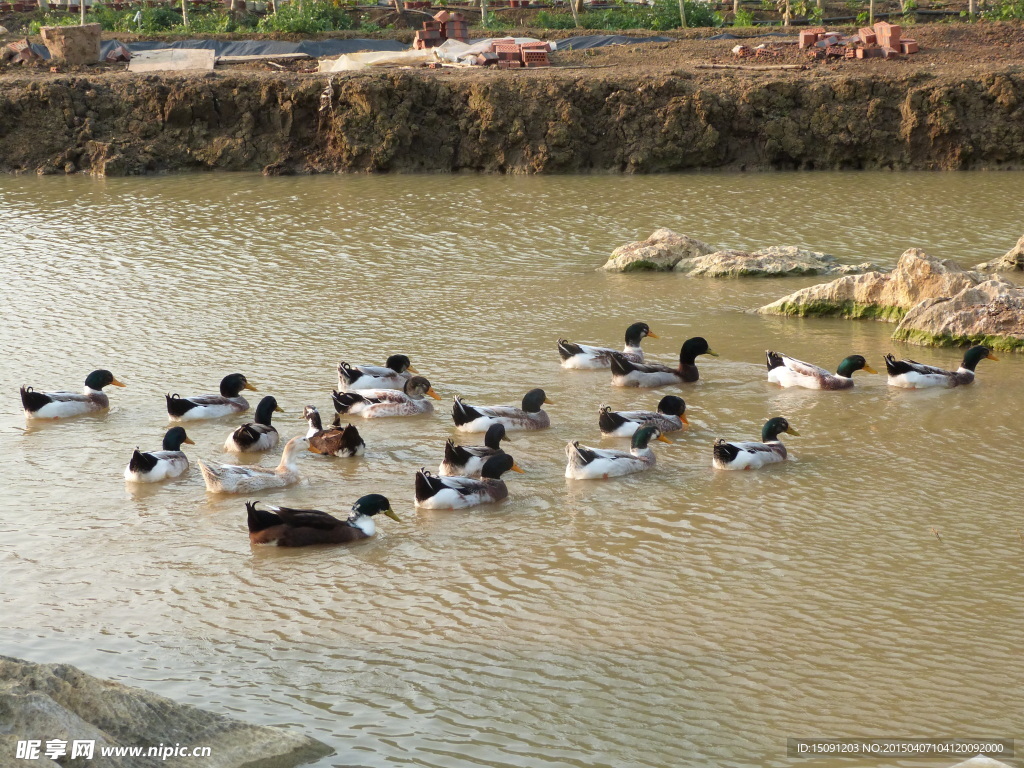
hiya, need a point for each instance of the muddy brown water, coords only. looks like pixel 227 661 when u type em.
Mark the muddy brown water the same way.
pixel 680 617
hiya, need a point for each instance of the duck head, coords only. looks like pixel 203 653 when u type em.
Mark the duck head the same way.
pixel 233 384
pixel 774 427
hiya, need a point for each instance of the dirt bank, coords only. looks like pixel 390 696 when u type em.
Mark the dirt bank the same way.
pixel 645 108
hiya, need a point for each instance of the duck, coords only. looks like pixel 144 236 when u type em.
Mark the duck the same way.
pixel 230 478
pixel 259 434
pixel 154 466
pixel 478 418
pixel 912 375
pixel 433 492
pixel 754 455
pixel 469 460
pixel 670 417
pixel 228 402
pixel 596 463
pixel 61 405
pixel 382 403
pixel 333 441
pixel 287 527
pixel 790 372
pixel 392 375
pixel 627 374
pixel 583 356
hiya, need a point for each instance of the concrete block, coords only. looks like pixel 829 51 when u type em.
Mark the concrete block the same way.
pixel 73 45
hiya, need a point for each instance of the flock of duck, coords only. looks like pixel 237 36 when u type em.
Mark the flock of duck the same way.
pixel 468 475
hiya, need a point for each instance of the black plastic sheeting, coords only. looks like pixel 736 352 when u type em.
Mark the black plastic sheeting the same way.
pixel 333 47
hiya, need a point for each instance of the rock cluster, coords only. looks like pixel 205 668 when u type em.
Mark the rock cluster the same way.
pixel 60 702
pixel 935 302
pixel 666 251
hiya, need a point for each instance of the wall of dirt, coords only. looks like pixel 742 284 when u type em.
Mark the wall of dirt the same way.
pixel 116 124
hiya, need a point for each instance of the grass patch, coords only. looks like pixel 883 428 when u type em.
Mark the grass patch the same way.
pixel 848 309
pixel 925 339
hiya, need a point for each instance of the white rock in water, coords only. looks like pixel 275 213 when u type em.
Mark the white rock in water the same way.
pixel 1011 261
pixel 991 313
pixel 775 261
pixel 58 701
pixel 659 252
pixel 884 296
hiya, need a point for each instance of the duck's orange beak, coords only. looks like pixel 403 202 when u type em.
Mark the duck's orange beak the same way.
pixel 653 335
pixel 433 394
pixel 117 383
pixel 517 468
pixel 869 369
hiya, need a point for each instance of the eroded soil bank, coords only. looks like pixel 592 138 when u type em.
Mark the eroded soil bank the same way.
pixel 640 109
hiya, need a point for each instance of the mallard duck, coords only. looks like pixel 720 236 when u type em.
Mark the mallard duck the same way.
pixel 229 478
pixel 381 403
pixel 333 441
pixel 669 418
pixel 469 460
pixel 478 418
pixel 911 375
pixel 790 372
pixel 583 356
pixel 154 466
pixel 228 402
pixel 60 405
pixel 596 463
pixel 259 434
pixel 392 375
pixel 433 492
pixel 287 527
pixel 754 455
pixel 627 374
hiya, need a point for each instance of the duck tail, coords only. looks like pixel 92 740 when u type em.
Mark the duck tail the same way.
pixel 351 440
pixel 455 455
pixel 462 413
pixel 427 485
pixel 609 420
pixel 774 360
pixel 347 372
pixel 567 349
pixel 178 406
pixel 343 401
pixel 896 367
pixel 725 452
pixel 32 400
pixel 141 463
pixel 620 365
pixel 261 519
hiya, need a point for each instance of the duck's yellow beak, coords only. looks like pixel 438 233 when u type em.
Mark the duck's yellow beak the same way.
pixel 869 369
pixel 712 353
pixel 517 468
pixel 250 386
pixel 391 513
pixel 279 409
pixel 793 432
pixel 410 369
pixel 117 383
pixel 548 402
pixel 190 441
pixel 507 439
pixel 990 356
pixel 682 418
pixel 653 335
pixel 433 394
pixel 664 439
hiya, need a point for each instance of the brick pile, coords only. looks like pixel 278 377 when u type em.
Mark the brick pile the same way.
pixel 19 52
pixel 445 26
pixel 883 40
pixel 510 55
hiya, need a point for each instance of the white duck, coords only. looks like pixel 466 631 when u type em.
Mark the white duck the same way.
pixel 229 478
pixel 61 405
pixel 154 466
pixel 383 403
pixel 753 455
pixel 596 463
pixel 584 356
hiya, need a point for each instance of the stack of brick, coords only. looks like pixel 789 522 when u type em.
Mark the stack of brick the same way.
pixel 888 37
pixel 884 40
pixel 512 56
pixel 429 36
pixel 455 27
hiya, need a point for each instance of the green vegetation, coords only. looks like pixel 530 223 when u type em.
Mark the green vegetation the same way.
pixel 1004 10
pixel 306 17
pixel 743 19
pixel 848 309
pixel 923 338
pixel 664 14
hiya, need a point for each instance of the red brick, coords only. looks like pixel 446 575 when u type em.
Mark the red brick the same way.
pixel 536 58
pixel 442 16
pixel 867 36
pixel 908 46
pixel 807 38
